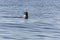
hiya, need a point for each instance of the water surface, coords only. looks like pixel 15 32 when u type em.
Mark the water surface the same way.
pixel 43 22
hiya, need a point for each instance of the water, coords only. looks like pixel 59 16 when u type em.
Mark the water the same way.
pixel 43 22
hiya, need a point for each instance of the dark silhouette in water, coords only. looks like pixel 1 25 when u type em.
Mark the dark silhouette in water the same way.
pixel 26 15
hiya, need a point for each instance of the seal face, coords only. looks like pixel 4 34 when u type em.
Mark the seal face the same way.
pixel 26 15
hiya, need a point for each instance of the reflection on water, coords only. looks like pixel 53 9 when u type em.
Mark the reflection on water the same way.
pixel 43 22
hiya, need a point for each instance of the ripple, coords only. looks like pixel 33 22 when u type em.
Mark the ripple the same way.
pixel 41 35
pixel 6 37
pixel 13 25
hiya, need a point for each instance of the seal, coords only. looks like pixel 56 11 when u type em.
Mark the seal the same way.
pixel 26 15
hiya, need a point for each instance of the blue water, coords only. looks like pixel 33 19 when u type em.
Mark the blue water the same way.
pixel 43 22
